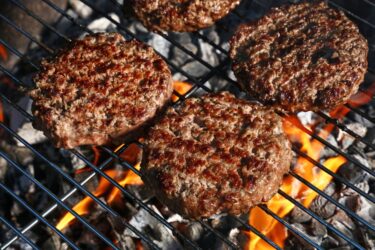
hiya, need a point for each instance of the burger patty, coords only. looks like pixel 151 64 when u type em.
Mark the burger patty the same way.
pixel 300 57
pixel 215 154
pixel 98 90
pixel 179 15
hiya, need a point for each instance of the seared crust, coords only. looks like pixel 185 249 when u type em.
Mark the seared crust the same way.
pixel 300 57
pixel 98 90
pixel 215 154
pixel 179 15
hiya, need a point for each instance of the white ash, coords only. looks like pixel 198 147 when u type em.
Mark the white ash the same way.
pixel 30 134
pixel 161 236
pixel 306 118
pixel 76 162
pixel 328 152
pixel 347 140
pixel 363 161
pixel 366 210
pixel 177 218
pixel 103 24
pixel 160 45
pixel 233 234
pixel 80 8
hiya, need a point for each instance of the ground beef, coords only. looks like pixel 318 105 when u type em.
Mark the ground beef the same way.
pixel 300 57
pixel 98 90
pixel 215 154
pixel 179 15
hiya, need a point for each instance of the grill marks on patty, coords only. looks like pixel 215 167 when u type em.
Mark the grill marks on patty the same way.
pixel 215 154
pixel 99 89
pixel 300 57
pixel 179 15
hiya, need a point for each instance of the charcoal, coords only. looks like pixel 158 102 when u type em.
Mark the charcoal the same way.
pixel 299 216
pixel 321 206
pixel 26 22
pixel 209 45
pixel 318 229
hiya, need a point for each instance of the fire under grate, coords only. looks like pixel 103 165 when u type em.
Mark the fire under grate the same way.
pixel 40 184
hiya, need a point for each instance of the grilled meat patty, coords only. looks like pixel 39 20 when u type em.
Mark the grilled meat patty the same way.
pixel 98 90
pixel 179 15
pixel 215 154
pixel 300 57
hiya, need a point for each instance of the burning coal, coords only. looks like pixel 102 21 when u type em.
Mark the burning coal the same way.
pixel 300 134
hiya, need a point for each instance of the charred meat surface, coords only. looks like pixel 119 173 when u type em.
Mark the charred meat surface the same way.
pixel 179 15
pixel 98 90
pixel 215 154
pixel 300 57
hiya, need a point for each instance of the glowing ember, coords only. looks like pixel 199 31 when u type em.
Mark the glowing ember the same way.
pixel 131 178
pixel 138 245
pixel 181 88
pixel 304 168
pixel 83 206
pixel 3 53
pixel 1 112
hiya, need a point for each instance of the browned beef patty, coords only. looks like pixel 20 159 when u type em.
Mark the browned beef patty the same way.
pixel 300 57
pixel 179 15
pixel 98 90
pixel 215 154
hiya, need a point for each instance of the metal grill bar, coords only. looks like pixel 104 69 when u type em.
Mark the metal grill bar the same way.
pixel 17 53
pixel 174 67
pixel 180 95
pixel 200 84
pixel 32 211
pixel 57 200
pixel 337 150
pixel 81 188
pixel 20 234
pixel 254 230
pixel 334 175
pixel 43 46
pixel 341 126
pixel 53 207
pixel 216 70
pixel 329 198
pixel 361 113
pixel 36 17
pixel 322 221
pixel 290 227
pixel 352 14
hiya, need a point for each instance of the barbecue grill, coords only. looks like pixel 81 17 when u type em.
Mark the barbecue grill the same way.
pixel 200 81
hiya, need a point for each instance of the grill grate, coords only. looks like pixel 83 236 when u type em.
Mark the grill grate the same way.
pixel 199 85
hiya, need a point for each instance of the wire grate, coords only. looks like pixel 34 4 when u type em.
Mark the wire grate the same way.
pixel 200 83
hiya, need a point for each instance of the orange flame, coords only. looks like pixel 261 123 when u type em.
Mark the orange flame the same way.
pixel 355 101
pixel 130 155
pixel 83 206
pixel 181 88
pixel 3 53
pixel 138 245
pixel 130 178
pixel 304 168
